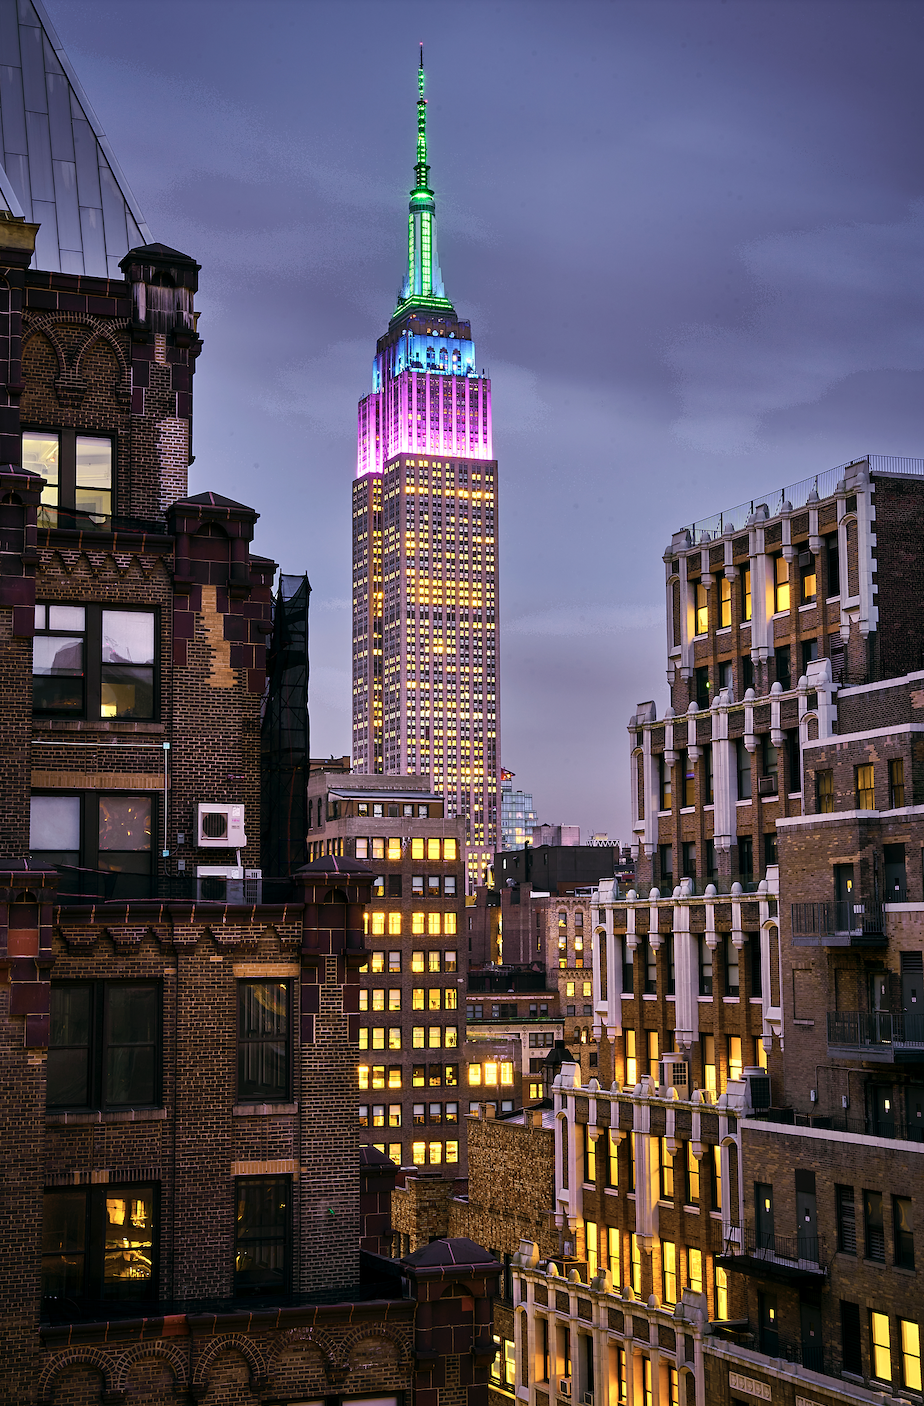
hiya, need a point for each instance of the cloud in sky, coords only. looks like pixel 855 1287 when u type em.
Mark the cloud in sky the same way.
pixel 688 238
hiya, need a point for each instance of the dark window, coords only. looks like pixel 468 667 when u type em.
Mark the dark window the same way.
pixel 262 1235
pixel 851 1349
pixel 77 470
pixel 743 758
pixel 793 761
pixel 687 780
pixel 732 967
pixel 770 766
pixel 110 835
pixel 394 886
pixel 666 858
pixel 781 658
pixel 746 856
pixel 104 1046
pixel 747 673
pixel 92 662
pixel 726 675
pixel 688 850
pixel 896 783
pixel 768 1325
pixel 809 652
pixel 627 967
pixel 99 1243
pixel 904 1233
pixel 703 687
pixel 875 1231
pixel 770 853
pixel 263 1041
pixel 756 976
pixel 668 946
pixel 705 967
pixel 712 868
pixel 833 567
pixel 651 970
pixel 846 1220
pixel 708 784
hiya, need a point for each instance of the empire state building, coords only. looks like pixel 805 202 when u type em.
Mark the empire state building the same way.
pixel 425 587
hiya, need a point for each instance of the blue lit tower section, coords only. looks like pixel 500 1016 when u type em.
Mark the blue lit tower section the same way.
pixel 425 587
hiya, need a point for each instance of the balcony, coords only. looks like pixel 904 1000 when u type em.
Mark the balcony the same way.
pixel 885 1037
pixel 842 924
pixel 790 1259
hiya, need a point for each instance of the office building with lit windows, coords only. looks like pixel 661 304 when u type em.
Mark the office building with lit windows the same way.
pixel 425 583
pixel 518 815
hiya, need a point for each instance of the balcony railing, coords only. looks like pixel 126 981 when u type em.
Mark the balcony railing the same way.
pixel 886 1035
pixel 779 1256
pixel 841 924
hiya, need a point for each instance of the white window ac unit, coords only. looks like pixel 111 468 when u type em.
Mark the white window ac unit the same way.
pixel 675 1074
pixel 564 1386
pixel 221 826
pixel 588 1398
pixel 220 883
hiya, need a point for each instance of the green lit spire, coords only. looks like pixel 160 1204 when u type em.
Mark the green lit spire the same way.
pixel 423 282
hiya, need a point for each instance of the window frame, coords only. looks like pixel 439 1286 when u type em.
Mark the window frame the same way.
pixel 98 1045
pixel 94 1240
pixel 93 663
pixel 66 497
pixel 282 1289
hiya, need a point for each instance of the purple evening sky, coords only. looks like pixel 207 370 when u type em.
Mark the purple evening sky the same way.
pixel 688 235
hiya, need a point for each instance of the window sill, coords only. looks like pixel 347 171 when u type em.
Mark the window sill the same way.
pixel 743 803
pixel 687 810
pixel 724 630
pixel 692 1210
pixel 120 1115
pixel 731 1000
pixel 745 625
pixel 96 725
pixel 812 605
pixel 780 615
pixel 649 995
pixel 252 1110
pixel 795 1021
pixel 702 999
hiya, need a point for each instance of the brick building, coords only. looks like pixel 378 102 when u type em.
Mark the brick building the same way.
pixel 732 1194
pixel 186 1215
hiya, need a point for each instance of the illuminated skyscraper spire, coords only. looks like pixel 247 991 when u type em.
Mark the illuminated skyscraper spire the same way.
pixel 423 282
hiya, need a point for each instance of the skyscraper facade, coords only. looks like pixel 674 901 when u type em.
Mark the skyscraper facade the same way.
pixel 425 586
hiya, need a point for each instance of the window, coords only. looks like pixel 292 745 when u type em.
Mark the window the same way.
pixel 735 1061
pixel 865 788
pixel 631 1059
pixel 880 1347
pixel 712 868
pixel 770 765
pixel 667 1173
pixel 793 761
pixel 664 783
pixel 628 969
pixel 824 792
pixel 724 602
pixel 636 1254
pixel 708 780
pixel 808 652
pixel 433 885
pixel 702 608
pixel 743 758
pixel 780 584
pixel 262 1235
pixel 703 687
pixel 651 969
pixel 782 662
pixel 263 1040
pixel 433 849
pixel 94 663
pixel 691 1178
pixel 104 1045
pixel 590 1156
pixel 903 1232
pixel 911 1354
pixel 687 779
pixel 875 1232
pixel 688 859
pixel 715 1168
pixel 612 1159
pixel 705 966
pixel 109 834
pixel 746 594
pixel 77 470
pixel 666 854
pixel 362 846
pixel 747 672
pixel 832 562
pixel 695 1269
pixel 807 578
pixel 896 783
pixel 100 1242
pixel 746 856
pixel 707 1045
pixel 394 1076
pixel 851 1350
pixel 667 943
pixel 417 962
pixel 651 1040
pixel 668 1272
pixel 378 844
pixel 732 968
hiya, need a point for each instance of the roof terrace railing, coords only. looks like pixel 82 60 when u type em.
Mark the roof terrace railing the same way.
pixel 797 495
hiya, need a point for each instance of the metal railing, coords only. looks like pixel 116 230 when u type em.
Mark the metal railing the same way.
pixel 800 1252
pixel 839 924
pixel 898 1030
pixel 82 887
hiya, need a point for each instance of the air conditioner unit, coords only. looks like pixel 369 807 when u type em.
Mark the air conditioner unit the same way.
pixel 588 1398
pixel 220 883
pixel 767 785
pixel 675 1074
pixel 253 885
pixel 758 1082
pixel 221 826
pixel 564 1386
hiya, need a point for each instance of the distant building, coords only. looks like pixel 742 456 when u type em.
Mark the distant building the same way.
pixel 556 835
pixel 518 817
pixel 556 868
